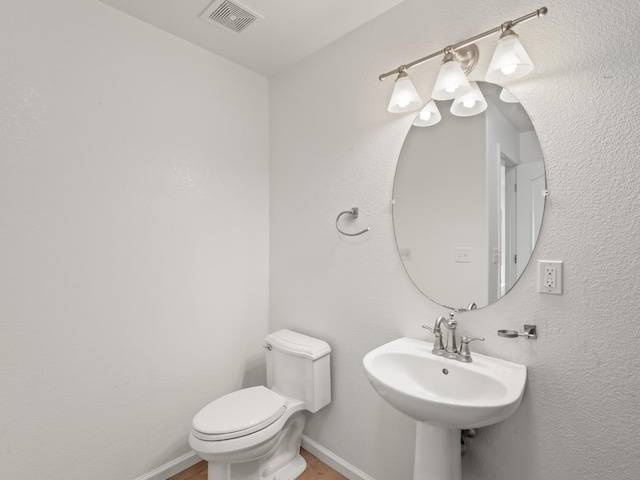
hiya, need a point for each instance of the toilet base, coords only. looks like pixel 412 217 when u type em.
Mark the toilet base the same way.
pixel 276 459
pixel 247 471
pixel 290 472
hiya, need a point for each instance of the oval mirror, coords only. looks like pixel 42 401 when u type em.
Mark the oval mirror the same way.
pixel 468 198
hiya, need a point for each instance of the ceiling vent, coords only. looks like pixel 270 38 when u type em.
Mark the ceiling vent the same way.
pixel 231 16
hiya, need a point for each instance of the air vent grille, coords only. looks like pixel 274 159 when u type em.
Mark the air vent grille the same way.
pixel 231 16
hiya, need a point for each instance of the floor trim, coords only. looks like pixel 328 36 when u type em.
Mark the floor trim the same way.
pixel 334 461
pixel 326 456
pixel 172 468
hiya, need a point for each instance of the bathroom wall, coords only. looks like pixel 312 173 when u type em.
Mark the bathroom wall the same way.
pixel 133 239
pixel 334 146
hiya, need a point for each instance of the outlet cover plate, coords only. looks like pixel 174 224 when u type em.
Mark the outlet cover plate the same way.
pixel 550 277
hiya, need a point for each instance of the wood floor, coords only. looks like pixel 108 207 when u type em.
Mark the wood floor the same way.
pixel 316 470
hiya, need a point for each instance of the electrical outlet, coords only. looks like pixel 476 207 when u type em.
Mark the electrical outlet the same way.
pixel 405 254
pixel 550 277
pixel 462 254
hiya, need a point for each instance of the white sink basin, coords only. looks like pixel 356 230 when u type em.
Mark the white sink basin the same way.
pixel 445 392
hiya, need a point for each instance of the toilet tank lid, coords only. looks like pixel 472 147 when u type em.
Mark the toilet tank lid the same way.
pixel 298 344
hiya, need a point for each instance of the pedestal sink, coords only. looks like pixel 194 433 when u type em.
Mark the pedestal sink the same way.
pixel 444 396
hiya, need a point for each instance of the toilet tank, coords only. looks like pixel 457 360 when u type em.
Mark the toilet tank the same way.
pixel 298 367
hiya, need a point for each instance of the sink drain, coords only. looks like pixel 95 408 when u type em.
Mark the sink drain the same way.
pixel 445 371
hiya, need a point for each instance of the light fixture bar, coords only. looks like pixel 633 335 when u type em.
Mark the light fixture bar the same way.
pixel 509 24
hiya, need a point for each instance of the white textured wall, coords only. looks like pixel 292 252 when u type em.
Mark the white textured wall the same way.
pixel 133 239
pixel 334 146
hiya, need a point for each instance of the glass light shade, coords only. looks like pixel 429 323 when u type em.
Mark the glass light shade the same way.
pixel 507 97
pixel 510 60
pixel 429 115
pixel 405 96
pixel 451 82
pixel 470 104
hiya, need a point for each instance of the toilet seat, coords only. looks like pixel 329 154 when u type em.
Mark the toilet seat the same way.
pixel 238 414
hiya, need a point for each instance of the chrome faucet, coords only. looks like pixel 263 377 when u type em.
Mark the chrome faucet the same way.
pixel 471 306
pixel 450 350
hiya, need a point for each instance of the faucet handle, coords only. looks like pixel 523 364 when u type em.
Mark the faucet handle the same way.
pixel 438 347
pixel 467 340
pixel 464 354
pixel 432 330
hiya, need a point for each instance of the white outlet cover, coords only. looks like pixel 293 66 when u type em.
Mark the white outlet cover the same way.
pixel 462 254
pixel 556 265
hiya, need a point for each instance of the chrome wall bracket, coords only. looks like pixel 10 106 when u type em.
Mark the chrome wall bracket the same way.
pixel 467 57
pixel 530 333
pixel 354 214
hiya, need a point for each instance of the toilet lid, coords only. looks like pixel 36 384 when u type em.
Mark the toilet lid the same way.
pixel 240 413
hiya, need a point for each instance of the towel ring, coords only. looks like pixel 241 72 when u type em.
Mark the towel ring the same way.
pixel 354 213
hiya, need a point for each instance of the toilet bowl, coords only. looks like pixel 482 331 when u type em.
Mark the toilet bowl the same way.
pixel 254 433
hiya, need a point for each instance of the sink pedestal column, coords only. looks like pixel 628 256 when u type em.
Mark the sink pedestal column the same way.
pixel 437 453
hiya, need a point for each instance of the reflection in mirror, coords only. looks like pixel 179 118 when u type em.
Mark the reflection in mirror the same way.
pixel 468 199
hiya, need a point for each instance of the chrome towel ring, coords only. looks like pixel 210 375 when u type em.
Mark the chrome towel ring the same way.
pixel 354 213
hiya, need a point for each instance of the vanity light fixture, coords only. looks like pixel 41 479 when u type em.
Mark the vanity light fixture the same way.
pixel 452 81
pixel 510 61
pixel 507 97
pixel 429 115
pixel 405 96
pixel 470 104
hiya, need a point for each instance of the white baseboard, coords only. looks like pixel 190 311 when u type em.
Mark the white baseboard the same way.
pixel 172 468
pixel 331 459
pixel 189 459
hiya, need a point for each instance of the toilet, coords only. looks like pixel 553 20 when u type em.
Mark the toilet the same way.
pixel 254 433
